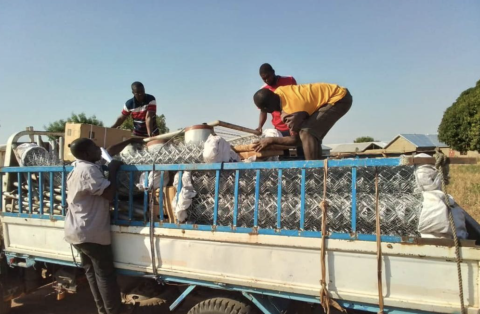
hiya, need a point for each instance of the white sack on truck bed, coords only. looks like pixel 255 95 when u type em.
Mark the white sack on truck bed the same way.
pixel 185 197
pixel 217 149
pixel 433 220
pixel 434 223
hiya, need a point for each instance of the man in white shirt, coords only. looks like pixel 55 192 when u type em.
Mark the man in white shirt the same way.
pixel 87 223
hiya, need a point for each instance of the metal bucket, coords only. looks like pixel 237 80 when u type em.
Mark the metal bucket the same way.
pixel 197 133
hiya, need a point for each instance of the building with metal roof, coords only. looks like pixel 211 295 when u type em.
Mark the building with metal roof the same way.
pixel 404 143
pixel 349 148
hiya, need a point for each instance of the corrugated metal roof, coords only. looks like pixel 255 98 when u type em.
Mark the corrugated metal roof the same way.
pixel 423 140
pixel 356 147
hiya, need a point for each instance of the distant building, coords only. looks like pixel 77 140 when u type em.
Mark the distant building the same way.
pixel 352 148
pixel 409 143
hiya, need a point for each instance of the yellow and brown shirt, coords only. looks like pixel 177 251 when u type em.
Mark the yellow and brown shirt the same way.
pixel 309 97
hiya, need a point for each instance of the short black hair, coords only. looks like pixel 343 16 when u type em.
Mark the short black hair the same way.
pixel 262 97
pixel 266 67
pixel 80 146
pixel 137 84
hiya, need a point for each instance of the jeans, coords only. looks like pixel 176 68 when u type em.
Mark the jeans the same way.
pixel 97 260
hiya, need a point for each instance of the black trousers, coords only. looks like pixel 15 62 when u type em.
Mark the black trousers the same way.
pixel 97 260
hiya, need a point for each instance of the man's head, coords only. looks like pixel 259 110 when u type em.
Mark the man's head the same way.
pixel 85 149
pixel 138 90
pixel 267 73
pixel 267 101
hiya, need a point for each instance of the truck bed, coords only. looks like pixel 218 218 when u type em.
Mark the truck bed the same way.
pixel 419 275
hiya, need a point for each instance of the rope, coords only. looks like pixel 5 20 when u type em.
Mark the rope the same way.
pixel 379 247
pixel 325 299
pixel 441 166
pixel 152 214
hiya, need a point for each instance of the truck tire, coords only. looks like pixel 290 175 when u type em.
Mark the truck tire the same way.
pixel 221 306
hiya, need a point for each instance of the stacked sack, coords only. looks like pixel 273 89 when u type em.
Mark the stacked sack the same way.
pixel 434 217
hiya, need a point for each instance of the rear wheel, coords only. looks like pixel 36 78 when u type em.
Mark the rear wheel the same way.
pixel 221 306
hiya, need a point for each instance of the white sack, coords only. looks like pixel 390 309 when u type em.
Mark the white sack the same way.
pixel 427 176
pixel 187 193
pixel 434 216
pixel 271 133
pixel 433 221
pixel 217 149
pixel 153 180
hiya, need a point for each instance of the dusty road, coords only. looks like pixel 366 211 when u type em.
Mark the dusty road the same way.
pixel 43 301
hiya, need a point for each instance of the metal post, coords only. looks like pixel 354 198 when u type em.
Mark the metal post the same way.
pixel 19 176
pixel 160 197
pixel 215 205
pixel 52 199
pixel 257 196
pixel 235 200
pixel 302 201
pixel 130 197
pixel 279 200
pixel 145 196
pixel 354 202
pixel 40 191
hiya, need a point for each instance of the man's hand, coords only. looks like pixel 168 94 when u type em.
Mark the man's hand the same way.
pixel 259 129
pixel 262 144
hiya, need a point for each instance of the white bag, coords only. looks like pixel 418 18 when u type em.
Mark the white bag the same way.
pixel 153 180
pixel 271 133
pixel 187 193
pixel 427 176
pixel 434 222
pixel 434 215
pixel 217 149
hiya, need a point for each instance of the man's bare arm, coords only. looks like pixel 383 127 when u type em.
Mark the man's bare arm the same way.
pixel 287 140
pixel 261 121
pixel 149 118
pixel 119 121
pixel 117 148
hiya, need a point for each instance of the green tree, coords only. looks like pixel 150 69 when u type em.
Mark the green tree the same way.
pixel 460 126
pixel 59 125
pixel 364 139
pixel 162 125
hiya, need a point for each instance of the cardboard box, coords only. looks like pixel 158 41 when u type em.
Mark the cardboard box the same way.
pixel 103 137
pixel 168 210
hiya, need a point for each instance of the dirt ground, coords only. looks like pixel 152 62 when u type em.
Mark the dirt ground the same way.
pixel 43 301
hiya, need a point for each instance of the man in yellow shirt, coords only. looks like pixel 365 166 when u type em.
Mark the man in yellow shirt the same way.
pixel 309 111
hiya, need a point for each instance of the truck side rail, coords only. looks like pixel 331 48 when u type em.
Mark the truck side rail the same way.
pixel 238 168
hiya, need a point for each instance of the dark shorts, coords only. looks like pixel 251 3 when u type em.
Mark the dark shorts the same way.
pixel 322 120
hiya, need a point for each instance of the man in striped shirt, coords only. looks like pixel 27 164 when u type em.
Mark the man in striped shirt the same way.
pixel 143 108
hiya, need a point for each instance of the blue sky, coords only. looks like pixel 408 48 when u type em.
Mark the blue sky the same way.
pixel 404 62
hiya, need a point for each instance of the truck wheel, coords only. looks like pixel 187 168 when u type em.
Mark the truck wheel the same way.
pixel 221 306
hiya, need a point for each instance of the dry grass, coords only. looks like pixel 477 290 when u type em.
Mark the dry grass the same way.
pixel 465 187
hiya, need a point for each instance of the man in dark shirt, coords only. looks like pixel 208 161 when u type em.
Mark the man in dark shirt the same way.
pixel 143 108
